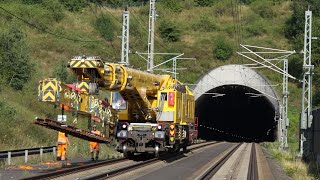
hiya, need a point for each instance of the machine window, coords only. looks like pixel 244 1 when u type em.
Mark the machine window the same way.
pixel 118 102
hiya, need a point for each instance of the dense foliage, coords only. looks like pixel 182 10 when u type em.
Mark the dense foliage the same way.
pixel 15 66
pixel 169 31
pixel 223 50
pixel 295 33
pixel 105 27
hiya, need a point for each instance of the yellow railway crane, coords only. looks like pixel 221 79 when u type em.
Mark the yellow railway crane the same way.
pixel 156 112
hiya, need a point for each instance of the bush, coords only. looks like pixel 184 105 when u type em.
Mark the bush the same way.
pixel 55 8
pixel 169 31
pixel 32 1
pixel 257 28
pixel 6 112
pixel 247 1
pixel 173 5
pixel 15 66
pixel 204 25
pixel 223 50
pixel 105 27
pixel 61 71
pixel 263 8
pixel 121 3
pixel 295 24
pixel 74 5
pixel 295 65
pixel 316 98
pixel 222 7
pixel 203 3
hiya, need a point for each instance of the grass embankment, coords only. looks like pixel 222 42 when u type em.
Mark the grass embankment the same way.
pixel 201 30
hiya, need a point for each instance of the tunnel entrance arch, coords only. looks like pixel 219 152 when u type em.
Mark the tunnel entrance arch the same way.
pixel 236 103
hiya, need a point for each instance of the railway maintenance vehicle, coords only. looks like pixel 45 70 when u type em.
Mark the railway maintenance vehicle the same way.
pixel 155 112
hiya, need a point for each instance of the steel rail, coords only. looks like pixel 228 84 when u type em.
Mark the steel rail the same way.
pixel 116 172
pixel 76 169
pixel 253 168
pixel 215 167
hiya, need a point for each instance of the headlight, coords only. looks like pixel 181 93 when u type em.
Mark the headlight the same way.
pixel 124 126
pixel 122 134
pixel 159 127
pixel 159 135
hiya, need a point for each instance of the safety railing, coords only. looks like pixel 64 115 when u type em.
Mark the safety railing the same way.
pixel 26 152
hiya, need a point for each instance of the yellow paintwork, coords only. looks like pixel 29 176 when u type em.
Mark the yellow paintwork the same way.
pixel 142 91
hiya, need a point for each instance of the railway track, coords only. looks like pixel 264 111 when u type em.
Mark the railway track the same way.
pixel 216 166
pixel 253 168
pixel 242 165
pixel 105 163
pixel 126 169
pixel 73 170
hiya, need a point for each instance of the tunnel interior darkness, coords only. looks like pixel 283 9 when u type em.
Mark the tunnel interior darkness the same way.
pixel 241 114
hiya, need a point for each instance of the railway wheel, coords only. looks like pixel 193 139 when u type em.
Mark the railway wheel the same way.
pixel 184 148
pixel 126 153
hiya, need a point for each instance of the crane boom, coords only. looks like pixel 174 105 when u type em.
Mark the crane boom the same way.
pixel 158 110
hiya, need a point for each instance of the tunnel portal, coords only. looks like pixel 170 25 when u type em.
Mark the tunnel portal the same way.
pixel 235 103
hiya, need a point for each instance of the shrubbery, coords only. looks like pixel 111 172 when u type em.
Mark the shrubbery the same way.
pixel 173 5
pixel 295 65
pixel 169 31
pixel 15 66
pixel 263 8
pixel 257 28
pixel 61 71
pixel 55 8
pixel 121 3
pixel 205 24
pixel 74 5
pixel 6 112
pixel 32 1
pixel 223 49
pixel 105 27
pixel 204 2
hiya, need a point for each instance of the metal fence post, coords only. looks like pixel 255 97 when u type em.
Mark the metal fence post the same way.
pixel 26 156
pixel 54 151
pixel 41 153
pixel 9 158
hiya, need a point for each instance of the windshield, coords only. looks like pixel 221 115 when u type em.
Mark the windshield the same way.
pixel 118 102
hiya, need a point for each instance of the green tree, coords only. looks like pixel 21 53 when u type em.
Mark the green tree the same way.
pixel 105 27
pixel 295 24
pixel 169 31
pixel 15 66
pixel 223 49
pixel 295 65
